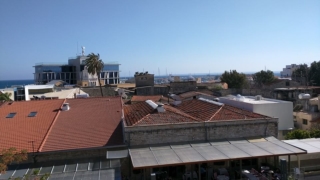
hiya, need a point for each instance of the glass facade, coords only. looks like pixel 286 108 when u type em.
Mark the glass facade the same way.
pixel 72 73
pixel 39 69
pixel 109 67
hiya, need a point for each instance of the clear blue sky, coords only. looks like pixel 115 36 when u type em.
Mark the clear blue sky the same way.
pixel 182 36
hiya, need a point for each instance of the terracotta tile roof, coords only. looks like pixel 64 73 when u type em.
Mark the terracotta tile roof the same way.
pixel 191 94
pixel 91 122
pixel 211 112
pixel 144 98
pixel 143 114
pixel 21 130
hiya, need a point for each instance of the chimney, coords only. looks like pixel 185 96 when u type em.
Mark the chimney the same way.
pixel 65 107
pixel 160 108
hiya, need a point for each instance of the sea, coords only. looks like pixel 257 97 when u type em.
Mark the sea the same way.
pixel 10 83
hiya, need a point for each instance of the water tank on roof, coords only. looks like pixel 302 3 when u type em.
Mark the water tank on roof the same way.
pixel 240 98
pixel 304 96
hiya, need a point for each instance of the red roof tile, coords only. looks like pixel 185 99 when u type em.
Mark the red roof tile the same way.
pixel 190 94
pixel 144 98
pixel 212 112
pixel 91 122
pixel 21 130
pixel 143 114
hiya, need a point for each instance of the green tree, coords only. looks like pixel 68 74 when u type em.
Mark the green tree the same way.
pixel 7 156
pixel 298 134
pixel 95 66
pixel 234 79
pixel 5 96
pixel 263 77
pixel 314 74
pixel 301 74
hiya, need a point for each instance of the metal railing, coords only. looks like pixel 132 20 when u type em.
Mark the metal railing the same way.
pixel 50 64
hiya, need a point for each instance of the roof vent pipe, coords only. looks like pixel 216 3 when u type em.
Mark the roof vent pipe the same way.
pixel 65 107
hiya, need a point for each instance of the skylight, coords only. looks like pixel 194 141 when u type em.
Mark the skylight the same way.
pixel 11 115
pixel 32 114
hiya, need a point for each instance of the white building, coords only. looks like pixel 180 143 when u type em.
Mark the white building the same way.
pixel 268 107
pixel 287 71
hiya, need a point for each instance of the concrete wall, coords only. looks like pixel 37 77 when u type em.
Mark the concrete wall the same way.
pixel 280 109
pixel 144 80
pixel 309 116
pixel 170 133
pixel 152 90
pixel 184 86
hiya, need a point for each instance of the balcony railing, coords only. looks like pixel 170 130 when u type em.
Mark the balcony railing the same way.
pixel 50 64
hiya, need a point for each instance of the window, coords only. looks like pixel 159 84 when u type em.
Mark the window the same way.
pixel 305 122
pixel 32 114
pixel 11 115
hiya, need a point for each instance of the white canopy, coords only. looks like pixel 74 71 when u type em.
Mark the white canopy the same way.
pixel 184 153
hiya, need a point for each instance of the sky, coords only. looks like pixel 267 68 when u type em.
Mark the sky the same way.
pixel 160 36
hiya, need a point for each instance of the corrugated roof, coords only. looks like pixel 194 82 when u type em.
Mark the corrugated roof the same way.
pixel 90 122
pixel 186 153
pixel 21 131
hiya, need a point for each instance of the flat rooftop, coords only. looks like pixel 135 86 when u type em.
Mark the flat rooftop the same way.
pixel 252 100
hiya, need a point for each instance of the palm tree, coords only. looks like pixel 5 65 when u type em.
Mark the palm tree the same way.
pixel 5 96
pixel 95 66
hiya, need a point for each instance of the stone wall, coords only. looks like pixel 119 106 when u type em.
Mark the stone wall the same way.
pixel 152 90
pixel 95 92
pixel 157 134
pixel 144 79
pixel 183 86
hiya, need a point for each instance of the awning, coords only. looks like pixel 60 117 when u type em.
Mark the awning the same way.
pixel 311 145
pixel 118 154
pixel 199 152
